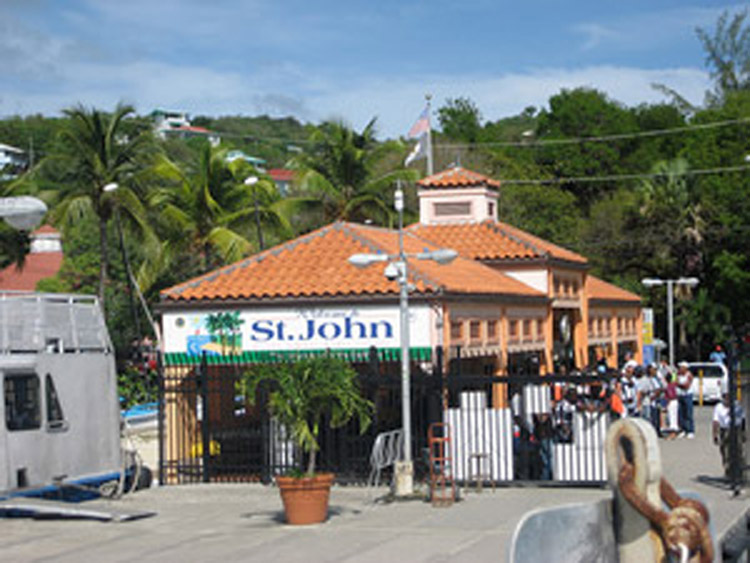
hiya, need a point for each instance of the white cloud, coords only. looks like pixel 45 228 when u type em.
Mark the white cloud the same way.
pixel 289 90
pixel 646 30
pixel 398 101
pixel 26 53
pixel 595 35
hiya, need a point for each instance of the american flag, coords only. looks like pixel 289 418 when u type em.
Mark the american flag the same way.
pixel 422 125
pixel 419 151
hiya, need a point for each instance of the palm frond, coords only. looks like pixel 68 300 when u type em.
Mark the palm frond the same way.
pixel 230 245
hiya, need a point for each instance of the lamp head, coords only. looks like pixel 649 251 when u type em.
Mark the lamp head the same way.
pixel 364 260
pixel 441 256
pixel 22 212
pixel 690 282
pixel 652 282
pixel 111 187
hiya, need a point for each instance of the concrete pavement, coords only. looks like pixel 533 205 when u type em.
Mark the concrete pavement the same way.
pixel 243 522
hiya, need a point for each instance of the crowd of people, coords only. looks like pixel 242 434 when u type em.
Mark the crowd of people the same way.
pixel 664 397
pixel 654 392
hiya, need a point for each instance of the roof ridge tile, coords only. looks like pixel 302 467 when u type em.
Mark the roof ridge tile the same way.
pixel 496 226
pixel 351 230
pixel 546 242
pixel 416 273
pixel 245 262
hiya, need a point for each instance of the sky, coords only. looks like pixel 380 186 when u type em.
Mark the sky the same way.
pixel 351 60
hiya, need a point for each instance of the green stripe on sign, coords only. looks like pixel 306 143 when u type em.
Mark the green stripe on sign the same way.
pixel 353 355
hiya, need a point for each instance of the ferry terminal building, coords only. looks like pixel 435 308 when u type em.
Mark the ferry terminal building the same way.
pixel 510 300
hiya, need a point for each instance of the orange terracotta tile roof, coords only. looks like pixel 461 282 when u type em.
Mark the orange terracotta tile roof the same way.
pixel 316 265
pixel 457 177
pixel 600 290
pixel 491 240
pixel 545 246
pixel 46 230
pixel 464 274
pixel 37 266
pixel 281 174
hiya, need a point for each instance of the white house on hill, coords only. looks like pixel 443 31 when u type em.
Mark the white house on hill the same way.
pixel 177 124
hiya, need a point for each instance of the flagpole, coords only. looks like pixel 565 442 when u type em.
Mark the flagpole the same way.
pixel 429 137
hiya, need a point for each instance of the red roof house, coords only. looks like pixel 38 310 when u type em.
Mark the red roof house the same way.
pixel 44 261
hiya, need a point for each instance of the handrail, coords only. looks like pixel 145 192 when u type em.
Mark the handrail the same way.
pixel 52 322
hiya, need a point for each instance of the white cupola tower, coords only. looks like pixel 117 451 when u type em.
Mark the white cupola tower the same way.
pixel 457 195
pixel 46 239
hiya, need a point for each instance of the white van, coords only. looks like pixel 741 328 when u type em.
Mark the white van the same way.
pixel 709 378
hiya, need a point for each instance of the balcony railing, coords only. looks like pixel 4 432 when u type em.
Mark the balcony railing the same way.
pixel 37 322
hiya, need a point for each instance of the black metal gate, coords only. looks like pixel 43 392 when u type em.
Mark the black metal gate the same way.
pixel 212 435
pixel 209 435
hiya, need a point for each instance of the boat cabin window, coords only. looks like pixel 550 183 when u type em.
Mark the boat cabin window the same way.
pixel 55 414
pixel 22 401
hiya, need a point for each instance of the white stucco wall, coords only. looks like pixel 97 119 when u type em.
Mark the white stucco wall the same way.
pixel 477 198
pixel 533 278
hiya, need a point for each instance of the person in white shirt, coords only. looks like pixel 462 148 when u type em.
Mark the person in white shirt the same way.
pixel 721 424
pixel 656 387
pixel 627 388
pixel 643 393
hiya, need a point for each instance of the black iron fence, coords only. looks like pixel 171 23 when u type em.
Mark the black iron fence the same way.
pixel 211 434
pixel 515 428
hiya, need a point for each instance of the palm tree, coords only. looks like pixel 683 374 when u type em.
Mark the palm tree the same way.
pixel 204 210
pixel 671 209
pixel 704 319
pixel 223 326
pixel 347 171
pixel 304 392
pixel 14 246
pixel 261 202
pixel 676 227
pixel 102 169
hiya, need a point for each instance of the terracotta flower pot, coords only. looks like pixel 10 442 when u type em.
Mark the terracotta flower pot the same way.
pixel 305 498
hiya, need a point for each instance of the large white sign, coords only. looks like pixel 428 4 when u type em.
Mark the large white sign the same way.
pixel 313 328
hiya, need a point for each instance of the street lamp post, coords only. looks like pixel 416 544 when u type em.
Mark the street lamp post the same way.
pixel 109 188
pixel 397 269
pixel 654 282
pixel 405 473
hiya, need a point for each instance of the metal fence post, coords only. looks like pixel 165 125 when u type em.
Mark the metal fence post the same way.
pixel 436 389
pixel 734 457
pixel 205 430
pixel 373 362
pixel 266 440
pixel 160 413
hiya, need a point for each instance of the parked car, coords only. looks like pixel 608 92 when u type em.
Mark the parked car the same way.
pixel 709 378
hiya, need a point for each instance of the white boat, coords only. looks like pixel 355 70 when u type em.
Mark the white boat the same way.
pixel 60 417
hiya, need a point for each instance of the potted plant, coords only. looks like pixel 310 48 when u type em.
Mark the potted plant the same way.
pixel 301 393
